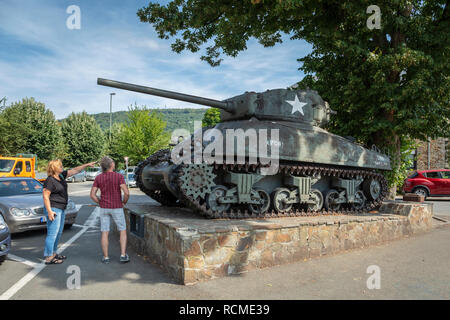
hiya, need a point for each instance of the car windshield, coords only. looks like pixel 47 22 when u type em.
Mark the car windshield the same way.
pixel 6 165
pixel 15 187
pixel 93 169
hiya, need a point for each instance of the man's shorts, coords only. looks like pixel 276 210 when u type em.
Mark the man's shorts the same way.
pixel 117 215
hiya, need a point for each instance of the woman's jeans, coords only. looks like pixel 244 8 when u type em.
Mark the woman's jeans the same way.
pixel 54 231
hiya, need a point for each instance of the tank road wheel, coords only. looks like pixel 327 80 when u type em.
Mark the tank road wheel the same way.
pixel 372 189
pixel 280 196
pixel 317 196
pixel 212 199
pixel 264 206
pixel 330 198
pixel 360 200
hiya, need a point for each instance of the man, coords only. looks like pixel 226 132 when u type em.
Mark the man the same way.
pixel 111 204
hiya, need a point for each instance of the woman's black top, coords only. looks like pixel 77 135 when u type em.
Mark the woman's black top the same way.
pixel 58 189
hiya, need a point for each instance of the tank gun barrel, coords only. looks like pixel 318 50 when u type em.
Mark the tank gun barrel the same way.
pixel 166 94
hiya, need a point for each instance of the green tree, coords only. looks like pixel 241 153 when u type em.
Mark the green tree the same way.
pixel 141 135
pixel 388 84
pixel 84 139
pixel 39 130
pixel 114 148
pixel 12 135
pixel 211 117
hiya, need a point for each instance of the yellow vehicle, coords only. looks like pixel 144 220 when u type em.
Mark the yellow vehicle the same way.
pixel 19 166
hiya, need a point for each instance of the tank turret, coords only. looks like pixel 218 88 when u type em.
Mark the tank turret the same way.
pixel 277 105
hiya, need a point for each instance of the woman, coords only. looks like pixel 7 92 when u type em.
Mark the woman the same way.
pixel 55 202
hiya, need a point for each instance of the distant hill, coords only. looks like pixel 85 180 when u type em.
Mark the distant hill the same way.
pixel 176 118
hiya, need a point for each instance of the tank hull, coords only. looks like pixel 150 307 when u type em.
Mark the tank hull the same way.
pixel 316 172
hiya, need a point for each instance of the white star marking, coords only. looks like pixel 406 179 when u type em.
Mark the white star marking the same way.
pixel 297 105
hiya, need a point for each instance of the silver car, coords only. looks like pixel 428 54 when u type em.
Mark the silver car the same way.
pixel 132 180
pixel 22 205
pixel 92 173
pixel 79 177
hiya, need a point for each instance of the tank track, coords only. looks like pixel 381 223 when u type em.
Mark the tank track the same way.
pixel 165 198
pixel 309 169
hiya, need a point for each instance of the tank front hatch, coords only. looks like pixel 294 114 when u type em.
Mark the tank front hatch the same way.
pixel 280 105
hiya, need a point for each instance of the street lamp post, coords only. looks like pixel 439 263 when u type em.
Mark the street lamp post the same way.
pixel 126 170
pixel 110 115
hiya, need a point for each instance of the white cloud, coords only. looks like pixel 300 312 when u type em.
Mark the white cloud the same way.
pixel 62 67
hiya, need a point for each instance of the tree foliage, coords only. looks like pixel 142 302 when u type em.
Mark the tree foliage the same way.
pixel 12 134
pixel 30 127
pixel 211 117
pixel 389 85
pixel 114 148
pixel 84 139
pixel 143 134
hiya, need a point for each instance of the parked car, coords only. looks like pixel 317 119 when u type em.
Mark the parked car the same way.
pixel 92 173
pixel 5 239
pixel 428 183
pixel 131 176
pixel 132 180
pixel 79 177
pixel 22 205
pixel 130 170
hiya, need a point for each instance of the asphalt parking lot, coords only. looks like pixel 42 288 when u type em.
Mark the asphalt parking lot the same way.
pixel 411 268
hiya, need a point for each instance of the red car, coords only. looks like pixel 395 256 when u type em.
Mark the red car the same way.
pixel 429 183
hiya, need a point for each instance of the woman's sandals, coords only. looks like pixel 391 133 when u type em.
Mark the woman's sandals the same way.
pixel 55 260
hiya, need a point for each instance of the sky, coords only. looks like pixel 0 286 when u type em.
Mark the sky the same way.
pixel 41 57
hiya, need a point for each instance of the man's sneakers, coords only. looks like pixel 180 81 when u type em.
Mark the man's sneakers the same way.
pixel 124 259
pixel 105 260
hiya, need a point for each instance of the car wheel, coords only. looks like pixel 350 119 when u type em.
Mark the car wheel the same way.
pixel 421 192
pixel 2 259
pixel 68 226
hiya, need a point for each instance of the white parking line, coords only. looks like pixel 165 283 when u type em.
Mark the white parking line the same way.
pixel 94 218
pixel 22 282
pixel 39 267
pixel 22 260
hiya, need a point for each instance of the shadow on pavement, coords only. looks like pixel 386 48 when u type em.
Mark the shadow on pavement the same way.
pixel 85 252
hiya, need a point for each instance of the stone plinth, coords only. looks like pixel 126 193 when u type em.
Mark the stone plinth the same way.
pixel 191 248
pixel 412 197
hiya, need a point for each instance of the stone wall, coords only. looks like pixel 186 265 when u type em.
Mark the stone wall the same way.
pixel 438 158
pixel 192 249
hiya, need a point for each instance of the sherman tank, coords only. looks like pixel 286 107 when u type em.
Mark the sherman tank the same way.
pixel 228 172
